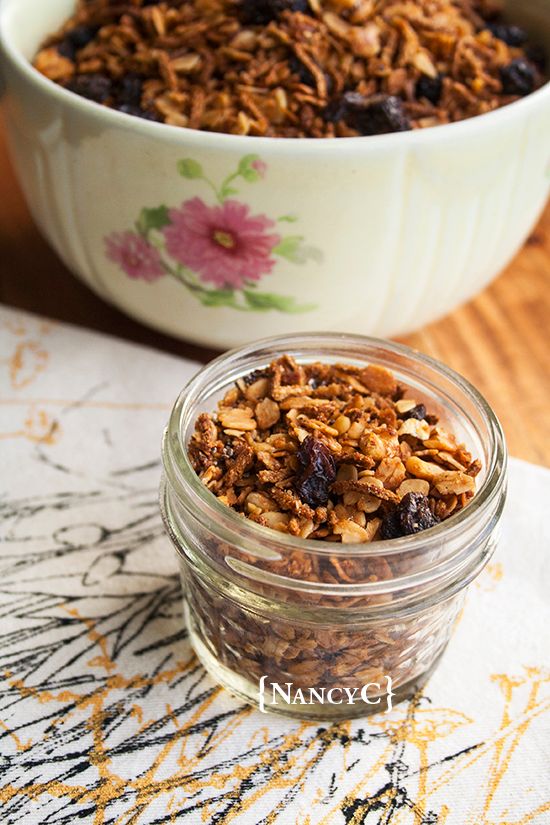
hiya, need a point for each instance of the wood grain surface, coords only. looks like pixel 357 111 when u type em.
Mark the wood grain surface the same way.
pixel 499 341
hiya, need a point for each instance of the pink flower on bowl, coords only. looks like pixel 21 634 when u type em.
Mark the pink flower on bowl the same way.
pixel 225 244
pixel 134 255
pixel 260 167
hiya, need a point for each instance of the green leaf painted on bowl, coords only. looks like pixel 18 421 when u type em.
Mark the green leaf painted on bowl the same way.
pixel 264 301
pixel 247 170
pixel 293 249
pixel 227 191
pixel 150 219
pixel 218 298
pixel 190 169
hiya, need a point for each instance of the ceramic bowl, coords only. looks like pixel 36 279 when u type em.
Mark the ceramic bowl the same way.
pixel 221 239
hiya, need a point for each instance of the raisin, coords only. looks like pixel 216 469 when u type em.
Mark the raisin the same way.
pixel 304 75
pixel 254 376
pixel 412 515
pixel 76 39
pixel 430 88
pixel 130 89
pixel 316 472
pixel 262 12
pixel 391 525
pixel 66 49
pixel 137 111
pixel 511 35
pixel 518 77
pixel 80 36
pixel 96 87
pixel 376 115
pixel 418 412
pixel 537 55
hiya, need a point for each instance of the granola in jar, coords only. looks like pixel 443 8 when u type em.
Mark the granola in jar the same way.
pixel 331 452
pixel 326 516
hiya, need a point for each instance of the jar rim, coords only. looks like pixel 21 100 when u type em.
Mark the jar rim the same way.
pixel 224 520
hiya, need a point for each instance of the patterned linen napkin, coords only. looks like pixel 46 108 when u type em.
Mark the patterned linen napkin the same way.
pixel 105 715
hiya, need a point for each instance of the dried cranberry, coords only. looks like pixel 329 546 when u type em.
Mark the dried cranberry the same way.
pixel 262 12
pixel 376 115
pixel 418 412
pixel 96 87
pixel 511 35
pixel 316 472
pixel 430 88
pixel 518 77
pixel 412 515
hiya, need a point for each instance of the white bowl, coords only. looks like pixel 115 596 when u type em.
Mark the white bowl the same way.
pixel 374 235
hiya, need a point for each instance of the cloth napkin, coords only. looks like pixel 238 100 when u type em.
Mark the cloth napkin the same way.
pixel 105 714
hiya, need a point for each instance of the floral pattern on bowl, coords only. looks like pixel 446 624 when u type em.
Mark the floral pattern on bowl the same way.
pixel 219 252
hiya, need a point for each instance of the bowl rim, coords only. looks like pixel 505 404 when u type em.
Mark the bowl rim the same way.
pixel 286 145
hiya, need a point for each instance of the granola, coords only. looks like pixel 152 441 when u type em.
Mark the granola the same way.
pixel 332 452
pixel 294 68
pixel 327 452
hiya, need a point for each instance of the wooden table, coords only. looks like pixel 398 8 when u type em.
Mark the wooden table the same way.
pixel 499 341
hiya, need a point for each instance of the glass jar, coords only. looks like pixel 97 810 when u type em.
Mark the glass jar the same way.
pixel 264 616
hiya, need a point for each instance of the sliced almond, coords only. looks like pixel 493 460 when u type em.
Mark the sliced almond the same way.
pixel 267 413
pixel 418 429
pixel 422 62
pixel 391 471
pixel 350 532
pixel 277 521
pixel 404 405
pixel 237 418
pixel 454 483
pixel 261 503
pixel 423 469
pixel 187 63
pixel 413 485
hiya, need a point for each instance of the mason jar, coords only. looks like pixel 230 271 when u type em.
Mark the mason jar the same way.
pixel 265 617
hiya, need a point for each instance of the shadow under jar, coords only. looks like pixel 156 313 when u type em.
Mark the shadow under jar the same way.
pixel 322 615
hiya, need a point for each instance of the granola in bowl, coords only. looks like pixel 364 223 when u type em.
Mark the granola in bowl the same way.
pixel 294 68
